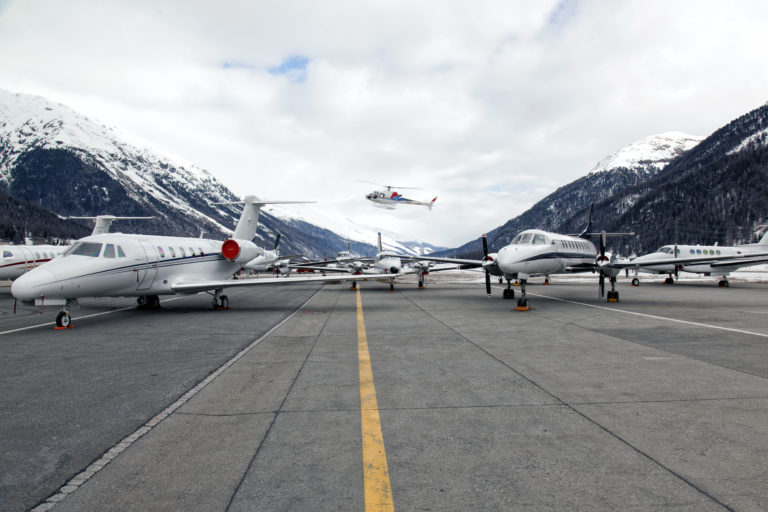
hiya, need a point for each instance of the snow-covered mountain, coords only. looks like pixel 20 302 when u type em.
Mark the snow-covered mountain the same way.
pixel 58 159
pixel 650 154
pixel 630 166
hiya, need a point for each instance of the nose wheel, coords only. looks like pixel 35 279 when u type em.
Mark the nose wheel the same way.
pixel 63 320
pixel 522 303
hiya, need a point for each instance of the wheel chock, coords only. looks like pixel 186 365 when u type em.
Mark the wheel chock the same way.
pixel 70 326
pixel 421 287
pixel 612 299
pixel 523 308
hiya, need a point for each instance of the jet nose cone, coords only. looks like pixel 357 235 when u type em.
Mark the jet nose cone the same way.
pixel 31 285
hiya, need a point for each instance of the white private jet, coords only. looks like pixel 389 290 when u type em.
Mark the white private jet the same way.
pixel 15 260
pixel 722 260
pixel 269 260
pixel 120 265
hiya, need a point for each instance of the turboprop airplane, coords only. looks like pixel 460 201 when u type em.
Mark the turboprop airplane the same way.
pixel 142 266
pixel 15 260
pixel 534 253
pixel 720 260
pixel 390 199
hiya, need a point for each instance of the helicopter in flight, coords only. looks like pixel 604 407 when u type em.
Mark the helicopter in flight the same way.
pixel 390 198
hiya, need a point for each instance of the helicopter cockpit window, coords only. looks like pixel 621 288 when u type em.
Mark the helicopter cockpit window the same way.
pixel 539 239
pixel 90 249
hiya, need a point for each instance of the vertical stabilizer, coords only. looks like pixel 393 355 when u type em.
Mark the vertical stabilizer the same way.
pixel 764 239
pixel 249 219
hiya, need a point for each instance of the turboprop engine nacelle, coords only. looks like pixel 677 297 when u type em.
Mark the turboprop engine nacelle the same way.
pixel 239 251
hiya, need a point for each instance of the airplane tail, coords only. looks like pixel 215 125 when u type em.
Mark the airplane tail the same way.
pixel 432 203
pixel 249 219
pixel 103 222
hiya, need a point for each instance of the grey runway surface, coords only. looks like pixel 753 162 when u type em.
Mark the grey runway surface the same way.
pixel 655 403
pixel 69 396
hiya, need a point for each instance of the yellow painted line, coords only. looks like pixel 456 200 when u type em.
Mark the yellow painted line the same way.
pixel 378 490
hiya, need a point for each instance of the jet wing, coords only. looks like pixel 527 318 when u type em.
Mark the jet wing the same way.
pixel 202 286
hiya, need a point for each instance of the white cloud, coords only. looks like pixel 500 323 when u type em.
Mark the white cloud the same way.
pixel 489 105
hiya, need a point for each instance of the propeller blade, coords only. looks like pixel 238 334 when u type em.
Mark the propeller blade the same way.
pixel 602 285
pixel 488 283
pixel 485 246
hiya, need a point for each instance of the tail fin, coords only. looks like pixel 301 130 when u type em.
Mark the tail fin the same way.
pixel 432 203
pixel 764 239
pixel 249 219
pixel 103 222
pixel 588 229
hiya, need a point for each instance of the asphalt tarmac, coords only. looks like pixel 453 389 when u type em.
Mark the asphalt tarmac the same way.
pixel 657 402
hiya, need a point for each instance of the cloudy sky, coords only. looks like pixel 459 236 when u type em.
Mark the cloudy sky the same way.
pixel 490 105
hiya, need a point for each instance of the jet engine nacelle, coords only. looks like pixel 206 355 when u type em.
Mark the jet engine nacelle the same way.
pixel 239 251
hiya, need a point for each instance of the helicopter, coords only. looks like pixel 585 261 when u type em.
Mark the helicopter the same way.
pixel 390 198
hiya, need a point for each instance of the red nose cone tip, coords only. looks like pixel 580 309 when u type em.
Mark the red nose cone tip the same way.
pixel 230 249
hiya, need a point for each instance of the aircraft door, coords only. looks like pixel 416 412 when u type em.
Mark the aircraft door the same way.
pixel 147 272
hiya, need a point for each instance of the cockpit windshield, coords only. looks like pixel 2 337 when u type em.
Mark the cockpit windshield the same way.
pixel 667 249
pixel 91 249
pixel 539 239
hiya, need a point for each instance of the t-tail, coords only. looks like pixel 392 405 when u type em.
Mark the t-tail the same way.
pixel 249 219
pixel 103 222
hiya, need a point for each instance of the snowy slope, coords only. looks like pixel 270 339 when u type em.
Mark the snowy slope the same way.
pixel 649 154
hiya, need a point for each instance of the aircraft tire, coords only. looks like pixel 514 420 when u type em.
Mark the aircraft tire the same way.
pixel 635 282
pixel 153 302
pixel 224 301
pixel 63 319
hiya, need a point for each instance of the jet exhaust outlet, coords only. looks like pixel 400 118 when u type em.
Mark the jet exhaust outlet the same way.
pixel 239 251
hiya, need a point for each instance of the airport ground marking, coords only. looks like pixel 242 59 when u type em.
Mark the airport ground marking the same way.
pixel 376 483
pixel 80 317
pixel 74 483
pixel 655 317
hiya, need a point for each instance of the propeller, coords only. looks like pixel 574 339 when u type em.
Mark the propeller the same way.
pixel 602 259
pixel 486 258
pixel 277 240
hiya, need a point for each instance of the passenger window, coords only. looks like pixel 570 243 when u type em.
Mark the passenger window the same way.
pixel 37 256
pixel 109 251
pixel 181 251
pixel 120 252
pixel 718 252
pixel 201 251
pixel 693 252
pixel 161 251
pixel 698 251
pixel 173 253
pixel 7 254
pixel 191 251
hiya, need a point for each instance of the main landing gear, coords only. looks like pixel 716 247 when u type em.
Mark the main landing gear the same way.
pixel 423 280
pixel 669 280
pixel 508 292
pixel 724 283
pixel 353 286
pixel 148 302
pixel 220 301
